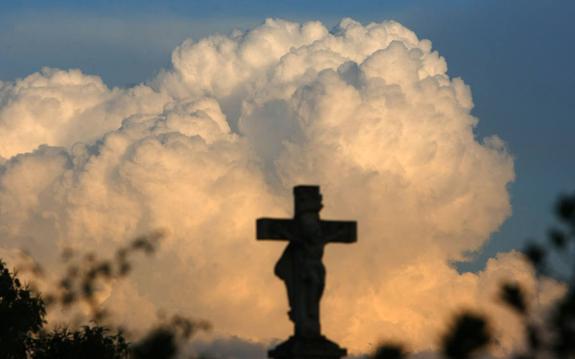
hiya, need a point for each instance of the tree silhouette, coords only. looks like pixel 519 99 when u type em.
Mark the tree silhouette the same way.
pixel 85 272
pixel 89 342
pixel 469 333
pixel 22 313
pixel 389 351
pixel 163 341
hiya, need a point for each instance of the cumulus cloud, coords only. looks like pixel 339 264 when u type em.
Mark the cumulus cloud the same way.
pixel 366 111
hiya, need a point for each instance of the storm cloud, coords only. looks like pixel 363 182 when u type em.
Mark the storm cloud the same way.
pixel 366 111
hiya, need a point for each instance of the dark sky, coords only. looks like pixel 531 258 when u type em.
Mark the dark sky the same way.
pixel 517 56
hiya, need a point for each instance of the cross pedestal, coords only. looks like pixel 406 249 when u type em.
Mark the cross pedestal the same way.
pixel 301 269
pixel 307 348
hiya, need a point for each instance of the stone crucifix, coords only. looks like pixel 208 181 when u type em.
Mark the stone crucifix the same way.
pixel 301 269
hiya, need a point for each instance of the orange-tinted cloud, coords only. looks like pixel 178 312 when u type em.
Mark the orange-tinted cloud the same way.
pixel 368 112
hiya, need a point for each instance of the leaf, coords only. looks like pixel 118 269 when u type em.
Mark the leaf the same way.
pixel 389 351
pixel 557 238
pixel 469 333
pixel 512 294
pixel 535 254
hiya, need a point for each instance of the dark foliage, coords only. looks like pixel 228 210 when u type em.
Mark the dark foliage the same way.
pixel 389 351
pixel 535 254
pixel 22 333
pixel 163 342
pixel 555 337
pixel 563 324
pixel 160 344
pixel 89 343
pixel 468 334
pixel 565 209
pixel 21 315
pixel 512 295
pixel 84 273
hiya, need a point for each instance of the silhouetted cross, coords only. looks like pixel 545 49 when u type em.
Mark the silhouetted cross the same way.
pixel 275 229
pixel 300 266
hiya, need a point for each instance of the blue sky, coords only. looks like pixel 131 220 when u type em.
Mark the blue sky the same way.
pixel 517 56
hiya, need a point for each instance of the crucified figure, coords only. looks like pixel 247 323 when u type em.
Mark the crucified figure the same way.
pixel 300 267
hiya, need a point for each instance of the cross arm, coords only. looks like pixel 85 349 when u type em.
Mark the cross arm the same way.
pixel 339 231
pixel 273 228
pixel 281 229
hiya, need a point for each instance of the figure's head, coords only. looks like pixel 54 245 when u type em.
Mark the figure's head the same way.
pixel 307 199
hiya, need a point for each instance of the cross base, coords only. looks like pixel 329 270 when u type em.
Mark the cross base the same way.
pixel 307 348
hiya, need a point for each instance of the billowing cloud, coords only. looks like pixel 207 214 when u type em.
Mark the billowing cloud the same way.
pixel 368 112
